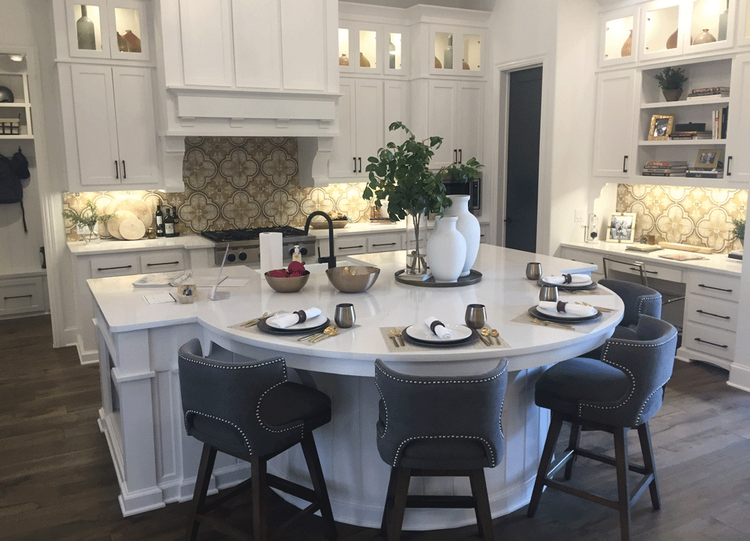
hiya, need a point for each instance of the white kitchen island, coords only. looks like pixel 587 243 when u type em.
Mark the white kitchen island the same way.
pixel 156 462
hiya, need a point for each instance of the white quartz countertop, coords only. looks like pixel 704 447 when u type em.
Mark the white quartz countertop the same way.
pixel 504 290
pixel 188 242
pixel 718 263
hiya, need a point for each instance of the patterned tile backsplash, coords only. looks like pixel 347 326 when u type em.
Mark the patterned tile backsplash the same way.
pixel 697 216
pixel 235 183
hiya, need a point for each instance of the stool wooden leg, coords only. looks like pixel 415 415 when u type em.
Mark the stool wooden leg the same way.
pixel 259 488
pixel 201 487
pixel 573 443
pixel 644 436
pixel 319 484
pixel 396 516
pixel 623 493
pixel 482 505
pixel 389 497
pixel 544 462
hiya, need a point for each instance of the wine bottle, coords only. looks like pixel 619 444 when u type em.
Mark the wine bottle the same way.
pixel 85 31
pixel 169 224
pixel 159 216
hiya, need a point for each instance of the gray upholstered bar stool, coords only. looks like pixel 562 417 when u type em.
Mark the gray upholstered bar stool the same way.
pixel 621 391
pixel 247 409
pixel 439 426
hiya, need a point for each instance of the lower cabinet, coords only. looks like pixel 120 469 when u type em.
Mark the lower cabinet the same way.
pixel 365 243
pixel 23 295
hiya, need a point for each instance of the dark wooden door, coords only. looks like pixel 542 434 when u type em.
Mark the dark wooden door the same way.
pixel 522 176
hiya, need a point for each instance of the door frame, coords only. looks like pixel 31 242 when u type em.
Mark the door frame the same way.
pixel 502 99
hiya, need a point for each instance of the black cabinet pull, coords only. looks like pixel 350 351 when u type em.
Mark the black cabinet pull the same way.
pixel 114 268
pixel 18 297
pixel 711 343
pixel 624 164
pixel 117 171
pixel 384 244
pixel 716 288
pixel 164 263
pixel 455 156
pixel 710 314
pixel 360 164
pixel 460 156
pixel 124 174
pixel 355 165
pixel 351 247
pixel 729 164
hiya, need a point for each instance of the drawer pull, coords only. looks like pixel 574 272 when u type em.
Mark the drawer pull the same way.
pixel 164 263
pixel 384 244
pixel 18 297
pixel 636 269
pixel 711 343
pixel 114 268
pixel 351 247
pixel 716 288
pixel 710 314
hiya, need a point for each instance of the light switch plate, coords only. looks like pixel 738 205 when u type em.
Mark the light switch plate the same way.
pixel 580 215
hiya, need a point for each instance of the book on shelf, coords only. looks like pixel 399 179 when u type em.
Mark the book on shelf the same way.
pixel 719 130
pixel 665 164
pixel 652 173
pixel 709 90
pixel 705 173
pixel 676 136
pixel 708 96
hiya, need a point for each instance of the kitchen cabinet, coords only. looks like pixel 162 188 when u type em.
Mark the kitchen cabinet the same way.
pixel 362 243
pixel 113 142
pixel 456 113
pixel 371 48
pixel 457 50
pixel 107 29
pixel 15 117
pixel 23 294
pixel 743 26
pixel 618 30
pixel 613 124
pixel 737 163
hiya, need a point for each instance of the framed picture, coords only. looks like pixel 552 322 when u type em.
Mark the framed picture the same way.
pixel 621 227
pixel 661 127
pixel 708 158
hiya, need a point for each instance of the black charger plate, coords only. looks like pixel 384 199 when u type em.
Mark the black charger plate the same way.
pixel 535 312
pixel 473 337
pixel 265 327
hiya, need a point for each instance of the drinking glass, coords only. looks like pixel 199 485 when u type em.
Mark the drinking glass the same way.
pixel 548 293
pixel 476 316
pixel 344 315
pixel 534 270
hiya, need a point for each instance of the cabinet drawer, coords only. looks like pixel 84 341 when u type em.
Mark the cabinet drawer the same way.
pixel 383 243
pixel 173 260
pixel 709 340
pixel 114 265
pixel 714 312
pixel 350 245
pixel 718 286
pixel 21 296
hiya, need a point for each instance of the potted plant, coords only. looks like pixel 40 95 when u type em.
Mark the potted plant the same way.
pixel 88 218
pixel 670 81
pixel 400 175
pixel 738 230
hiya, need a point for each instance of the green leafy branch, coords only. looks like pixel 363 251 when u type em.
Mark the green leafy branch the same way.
pixel 88 217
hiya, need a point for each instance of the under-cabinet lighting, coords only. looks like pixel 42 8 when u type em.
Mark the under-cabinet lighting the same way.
pixel 16 57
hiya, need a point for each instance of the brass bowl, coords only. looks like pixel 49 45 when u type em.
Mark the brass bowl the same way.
pixel 288 284
pixel 353 279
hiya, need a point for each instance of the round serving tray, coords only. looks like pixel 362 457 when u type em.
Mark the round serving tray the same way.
pixel 472 278
pixel 535 312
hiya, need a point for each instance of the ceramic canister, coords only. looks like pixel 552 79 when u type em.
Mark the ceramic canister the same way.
pixel 446 250
pixel 468 225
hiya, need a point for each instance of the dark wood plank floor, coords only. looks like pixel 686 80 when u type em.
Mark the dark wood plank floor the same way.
pixel 57 482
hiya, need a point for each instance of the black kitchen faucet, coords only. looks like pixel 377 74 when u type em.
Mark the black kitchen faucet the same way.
pixel 331 259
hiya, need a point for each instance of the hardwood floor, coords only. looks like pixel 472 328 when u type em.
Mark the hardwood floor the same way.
pixel 57 482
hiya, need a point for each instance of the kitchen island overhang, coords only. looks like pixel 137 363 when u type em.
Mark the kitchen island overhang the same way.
pixel 141 414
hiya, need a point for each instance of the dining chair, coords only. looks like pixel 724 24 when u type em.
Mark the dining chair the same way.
pixel 621 391
pixel 439 426
pixel 248 409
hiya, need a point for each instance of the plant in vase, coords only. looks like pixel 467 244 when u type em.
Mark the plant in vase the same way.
pixel 87 218
pixel 400 174
pixel 671 80
pixel 738 230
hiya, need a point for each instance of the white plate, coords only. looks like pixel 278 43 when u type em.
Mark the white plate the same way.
pixel 307 324
pixel 562 315
pixel 575 283
pixel 421 332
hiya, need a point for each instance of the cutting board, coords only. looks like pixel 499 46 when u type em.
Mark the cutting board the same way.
pixel 686 247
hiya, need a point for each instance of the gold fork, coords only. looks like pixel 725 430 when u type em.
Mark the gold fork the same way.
pixel 327 333
pixel 392 335
pixel 399 337
pixel 551 323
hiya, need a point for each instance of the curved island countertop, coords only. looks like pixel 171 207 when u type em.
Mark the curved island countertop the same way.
pixel 141 416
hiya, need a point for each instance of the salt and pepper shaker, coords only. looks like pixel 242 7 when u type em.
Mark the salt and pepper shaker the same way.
pixel 344 315
pixel 534 270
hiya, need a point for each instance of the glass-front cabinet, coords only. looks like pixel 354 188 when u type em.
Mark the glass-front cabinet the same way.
pixel 618 33
pixel 107 29
pixel 743 37
pixel 372 48
pixel 661 35
pixel 710 25
pixel 456 51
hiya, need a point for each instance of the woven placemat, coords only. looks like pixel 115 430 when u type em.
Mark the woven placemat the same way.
pixel 291 337
pixel 408 346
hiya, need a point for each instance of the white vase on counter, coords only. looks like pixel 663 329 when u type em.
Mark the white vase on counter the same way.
pixel 468 225
pixel 446 250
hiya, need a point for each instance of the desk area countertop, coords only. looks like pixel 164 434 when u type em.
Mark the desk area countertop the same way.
pixel 141 414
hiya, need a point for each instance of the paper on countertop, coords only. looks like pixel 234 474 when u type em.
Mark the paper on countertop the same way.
pixel 159 298
pixel 162 279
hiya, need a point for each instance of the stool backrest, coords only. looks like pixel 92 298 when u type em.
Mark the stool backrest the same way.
pixel 440 407
pixel 638 300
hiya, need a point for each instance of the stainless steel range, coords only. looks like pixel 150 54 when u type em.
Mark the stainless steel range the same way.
pixel 244 245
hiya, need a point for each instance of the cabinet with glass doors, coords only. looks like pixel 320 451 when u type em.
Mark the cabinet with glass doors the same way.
pixel 372 48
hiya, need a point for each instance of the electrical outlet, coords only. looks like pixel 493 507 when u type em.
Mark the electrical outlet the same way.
pixel 580 215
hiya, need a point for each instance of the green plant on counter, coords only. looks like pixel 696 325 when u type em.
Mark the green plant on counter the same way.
pixel 87 218
pixel 739 228
pixel 671 78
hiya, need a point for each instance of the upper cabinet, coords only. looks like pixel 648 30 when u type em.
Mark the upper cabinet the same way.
pixel 15 105
pixel 107 29
pixel 743 27
pixel 456 50
pixel 379 49
pixel 617 34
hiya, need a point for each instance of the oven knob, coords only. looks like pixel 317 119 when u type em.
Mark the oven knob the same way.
pixel 231 258
pixel 243 256
pixel 303 250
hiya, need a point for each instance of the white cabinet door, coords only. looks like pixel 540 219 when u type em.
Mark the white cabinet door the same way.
pixel 456 115
pixel 395 107
pixel 470 121
pixel 343 162
pixel 613 129
pixel 136 128
pixel 737 162
pixel 304 44
pixel 95 125
pixel 206 32
pixel 257 58
pixel 442 120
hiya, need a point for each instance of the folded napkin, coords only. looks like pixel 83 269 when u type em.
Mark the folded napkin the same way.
pixel 563 279
pixel 567 307
pixel 287 319
pixel 437 327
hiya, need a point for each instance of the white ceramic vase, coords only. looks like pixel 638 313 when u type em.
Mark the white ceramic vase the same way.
pixel 468 226
pixel 446 250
